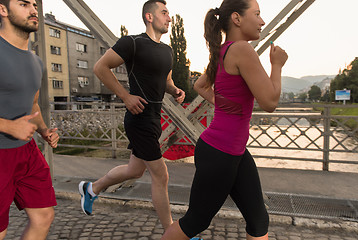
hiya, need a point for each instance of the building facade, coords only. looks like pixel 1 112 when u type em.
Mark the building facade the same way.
pixel 57 63
pixel 71 53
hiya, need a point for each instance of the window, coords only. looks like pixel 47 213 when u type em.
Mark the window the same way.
pixel 56 67
pixel 83 81
pixel 102 50
pixel 55 50
pixel 81 47
pixel 82 64
pixel 57 84
pixel 55 33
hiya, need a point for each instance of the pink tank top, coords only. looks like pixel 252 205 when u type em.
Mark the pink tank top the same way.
pixel 229 130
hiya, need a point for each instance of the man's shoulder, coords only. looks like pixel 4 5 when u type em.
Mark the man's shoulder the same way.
pixel 141 36
pixel 130 38
pixel 166 45
pixel 36 57
pixel 39 60
pixel 144 36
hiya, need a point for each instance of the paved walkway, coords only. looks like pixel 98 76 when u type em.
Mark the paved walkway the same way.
pixel 115 220
pixel 318 183
pixel 131 219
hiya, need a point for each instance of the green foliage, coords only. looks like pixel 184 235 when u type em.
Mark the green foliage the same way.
pixel 348 79
pixel 291 95
pixel 325 97
pixel 303 96
pixel 337 111
pixel 192 94
pixel 70 151
pixel 181 64
pixel 314 93
pixel 345 111
pixel 75 138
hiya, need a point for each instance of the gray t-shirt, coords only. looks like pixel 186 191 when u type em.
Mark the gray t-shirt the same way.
pixel 20 78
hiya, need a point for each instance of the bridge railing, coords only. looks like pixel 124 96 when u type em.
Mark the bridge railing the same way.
pixel 283 133
pixel 309 132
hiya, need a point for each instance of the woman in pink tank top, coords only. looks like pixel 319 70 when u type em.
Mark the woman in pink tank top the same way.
pixel 233 79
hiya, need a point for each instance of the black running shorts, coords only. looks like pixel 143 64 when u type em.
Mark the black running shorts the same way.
pixel 143 135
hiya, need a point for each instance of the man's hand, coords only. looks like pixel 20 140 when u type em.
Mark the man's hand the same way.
pixel 50 136
pixel 134 104
pixel 179 95
pixel 22 128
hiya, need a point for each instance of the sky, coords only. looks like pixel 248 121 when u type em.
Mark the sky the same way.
pixel 323 40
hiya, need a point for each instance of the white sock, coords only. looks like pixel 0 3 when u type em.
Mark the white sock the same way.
pixel 89 189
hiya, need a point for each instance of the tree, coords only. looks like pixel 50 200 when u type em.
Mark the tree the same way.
pixel 302 96
pixel 181 64
pixel 195 75
pixel 192 93
pixel 124 31
pixel 314 93
pixel 348 78
pixel 325 97
pixel 291 96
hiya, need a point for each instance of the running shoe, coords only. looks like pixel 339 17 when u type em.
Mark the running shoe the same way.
pixel 86 198
pixel 196 238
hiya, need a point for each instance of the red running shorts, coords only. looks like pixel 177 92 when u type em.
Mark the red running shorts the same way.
pixel 25 179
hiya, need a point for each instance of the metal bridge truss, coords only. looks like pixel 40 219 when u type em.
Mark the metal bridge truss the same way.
pixel 331 134
pixel 182 118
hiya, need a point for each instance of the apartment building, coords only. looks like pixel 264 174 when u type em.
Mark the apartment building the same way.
pixel 57 62
pixel 71 53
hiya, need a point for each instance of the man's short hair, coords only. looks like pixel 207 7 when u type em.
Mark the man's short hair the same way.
pixel 149 7
pixel 6 4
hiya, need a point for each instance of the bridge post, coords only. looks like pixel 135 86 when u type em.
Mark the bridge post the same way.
pixel 114 127
pixel 326 136
pixel 43 98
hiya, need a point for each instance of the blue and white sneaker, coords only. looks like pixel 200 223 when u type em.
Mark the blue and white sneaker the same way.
pixel 196 238
pixel 86 198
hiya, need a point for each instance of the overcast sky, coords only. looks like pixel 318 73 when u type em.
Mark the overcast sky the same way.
pixel 323 40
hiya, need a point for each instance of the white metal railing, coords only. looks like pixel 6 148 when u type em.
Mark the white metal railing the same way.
pixel 100 126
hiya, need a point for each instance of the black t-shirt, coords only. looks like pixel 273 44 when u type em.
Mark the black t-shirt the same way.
pixel 148 64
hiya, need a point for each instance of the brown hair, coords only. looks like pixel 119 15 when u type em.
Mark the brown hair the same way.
pixel 149 7
pixel 216 22
pixel 6 4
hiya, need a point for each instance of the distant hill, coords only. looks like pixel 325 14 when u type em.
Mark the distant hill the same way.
pixel 296 85
pixel 318 78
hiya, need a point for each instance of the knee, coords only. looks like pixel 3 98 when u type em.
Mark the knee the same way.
pixel 43 219
pixel 259 226
pixel 3 234
pixel 192 225
pixel 165 178
pixel 162 179
pixel 136 174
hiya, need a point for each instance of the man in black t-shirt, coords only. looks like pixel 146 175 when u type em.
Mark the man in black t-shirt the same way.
pixel 149 66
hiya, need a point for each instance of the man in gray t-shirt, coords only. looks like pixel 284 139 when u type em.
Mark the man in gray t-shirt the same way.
pixel 24 173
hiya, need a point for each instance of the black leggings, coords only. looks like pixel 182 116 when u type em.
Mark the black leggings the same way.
pixel 218 175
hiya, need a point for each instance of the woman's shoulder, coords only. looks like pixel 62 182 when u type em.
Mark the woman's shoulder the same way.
pixel 243 47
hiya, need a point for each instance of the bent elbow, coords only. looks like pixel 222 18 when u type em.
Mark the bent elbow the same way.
pixel 96 68
pixel 268 107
